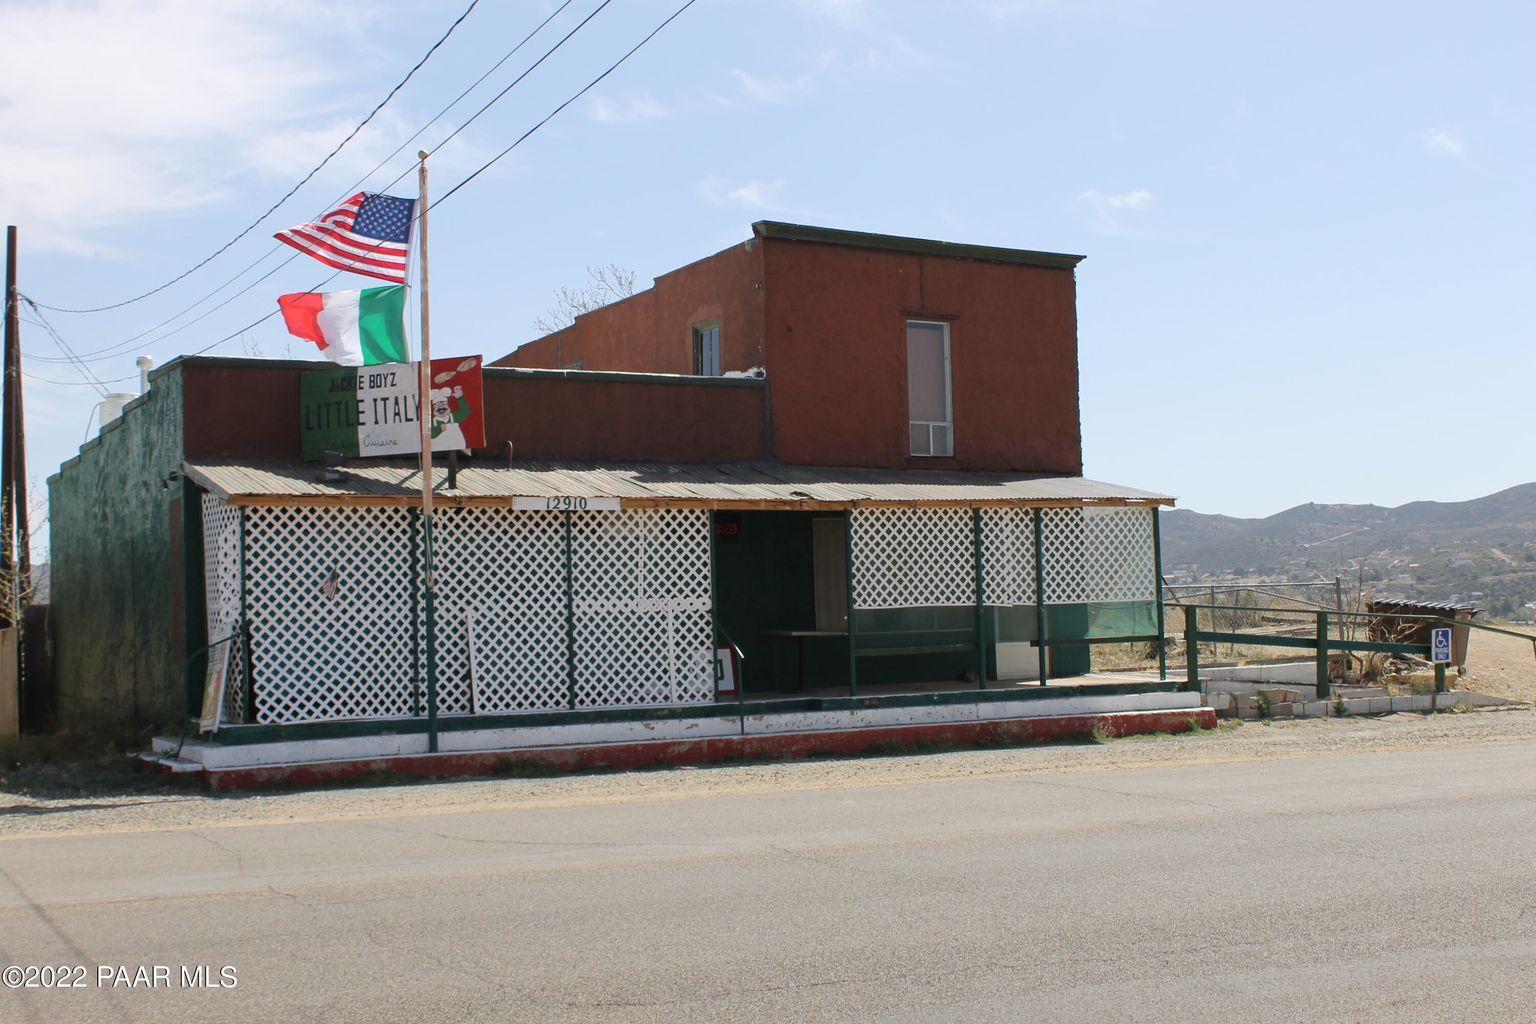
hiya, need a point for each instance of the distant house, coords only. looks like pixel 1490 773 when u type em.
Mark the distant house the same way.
pixel 830 465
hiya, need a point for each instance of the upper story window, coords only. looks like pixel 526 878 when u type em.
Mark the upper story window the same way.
pixel 706 349
pixel 929 414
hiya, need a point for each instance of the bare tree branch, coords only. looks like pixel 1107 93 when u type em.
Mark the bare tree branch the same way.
pixel 604 285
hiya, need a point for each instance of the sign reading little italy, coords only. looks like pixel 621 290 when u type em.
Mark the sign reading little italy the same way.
pixel 375 410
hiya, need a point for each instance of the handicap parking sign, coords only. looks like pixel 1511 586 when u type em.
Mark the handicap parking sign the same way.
pixel 1440 645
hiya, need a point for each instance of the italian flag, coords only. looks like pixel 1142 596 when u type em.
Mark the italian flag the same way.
pixel 358 328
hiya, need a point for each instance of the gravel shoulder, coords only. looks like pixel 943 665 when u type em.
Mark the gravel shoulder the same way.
pixel 154 808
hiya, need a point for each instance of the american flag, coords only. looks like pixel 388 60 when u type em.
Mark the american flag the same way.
pixel 332 585
pixel 368 234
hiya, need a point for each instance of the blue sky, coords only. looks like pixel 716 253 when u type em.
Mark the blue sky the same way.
pixel 1308 225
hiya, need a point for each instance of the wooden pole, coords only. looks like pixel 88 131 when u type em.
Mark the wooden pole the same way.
pixel 424 419
pixel 8 393
pixel 19 485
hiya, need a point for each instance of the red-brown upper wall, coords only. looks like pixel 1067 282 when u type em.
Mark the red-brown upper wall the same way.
pixel 824 312
pixel 652 331
pixel 836 357
pixel 250 409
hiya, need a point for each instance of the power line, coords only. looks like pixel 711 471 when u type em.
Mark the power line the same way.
pixel 289 194
pixel 577 95
pixel 573 98
pixel 85 371
pixel 113 350
pixel 497 98
pixel 472 87
pixel 522 138
pixel 75 383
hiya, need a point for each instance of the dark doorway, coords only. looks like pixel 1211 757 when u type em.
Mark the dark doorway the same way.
pixel 780 591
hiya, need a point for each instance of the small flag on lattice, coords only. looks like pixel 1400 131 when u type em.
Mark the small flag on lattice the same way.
pixel 332 585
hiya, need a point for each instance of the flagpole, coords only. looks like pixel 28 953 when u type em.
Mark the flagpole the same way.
pixel 424 418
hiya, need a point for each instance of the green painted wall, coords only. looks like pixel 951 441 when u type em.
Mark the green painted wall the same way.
pixel 116 615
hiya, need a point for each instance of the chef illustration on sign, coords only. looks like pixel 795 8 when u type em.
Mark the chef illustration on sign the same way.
pixel 449 409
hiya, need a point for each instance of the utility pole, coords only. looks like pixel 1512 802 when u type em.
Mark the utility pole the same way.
pixel 9 393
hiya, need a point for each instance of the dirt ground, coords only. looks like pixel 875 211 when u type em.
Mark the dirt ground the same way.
pixel 1500 665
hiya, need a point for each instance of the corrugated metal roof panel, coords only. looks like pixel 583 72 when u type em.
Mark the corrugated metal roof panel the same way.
pixel 1420 607
pixel 393 481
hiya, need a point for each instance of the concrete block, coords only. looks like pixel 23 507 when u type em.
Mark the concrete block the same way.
pixel 1317 709
pixel 1285 709
pixel 1353 692
pixel 1280 695
pixel 1380 705
pixel 1219 701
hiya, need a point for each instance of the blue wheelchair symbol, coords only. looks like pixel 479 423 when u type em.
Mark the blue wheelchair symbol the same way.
pixel 1440 645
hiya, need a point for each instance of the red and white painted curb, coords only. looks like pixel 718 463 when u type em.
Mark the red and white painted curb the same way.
pixel 705 749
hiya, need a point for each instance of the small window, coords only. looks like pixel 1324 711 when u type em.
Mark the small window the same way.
pixel 706 350
pixel 930 419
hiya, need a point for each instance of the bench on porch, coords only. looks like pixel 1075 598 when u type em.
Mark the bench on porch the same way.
pixel 926 641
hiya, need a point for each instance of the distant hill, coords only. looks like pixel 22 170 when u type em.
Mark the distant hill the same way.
pixel 1482 550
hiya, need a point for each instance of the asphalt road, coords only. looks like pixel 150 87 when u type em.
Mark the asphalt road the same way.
pixel 1384 886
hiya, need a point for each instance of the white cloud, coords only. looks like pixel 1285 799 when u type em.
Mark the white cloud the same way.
pixel 1111 213
pixel 753 195
pixel 1123 201
pixel 772 90
pixel 1011 8
pixel 843 12
pixel 119 111
pixel 1444 142
pixel 630 107
pixel 762 195
pixel 894 52
pixel 861 46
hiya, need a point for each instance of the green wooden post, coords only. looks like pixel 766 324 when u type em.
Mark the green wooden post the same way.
pixel 1323 690
pixel 1044 651
pixel 243 633
pixel 981 606
pixel 1157 572
pixel 1440 677
pixel 570 621
pixel 194 592
pixel 714 613
pixel 853 628
pixel 1191 648
pixel 413 531
pixel 429 624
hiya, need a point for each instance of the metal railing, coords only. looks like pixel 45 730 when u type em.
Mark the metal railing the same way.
pixel 1321 643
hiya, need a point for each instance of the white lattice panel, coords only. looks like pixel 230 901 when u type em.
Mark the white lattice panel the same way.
pixel 641 599
pixel 501 585
pixel 221 593
pixel 1008 556
pixel 1098 554
pixel 913 557
pixel 316 656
